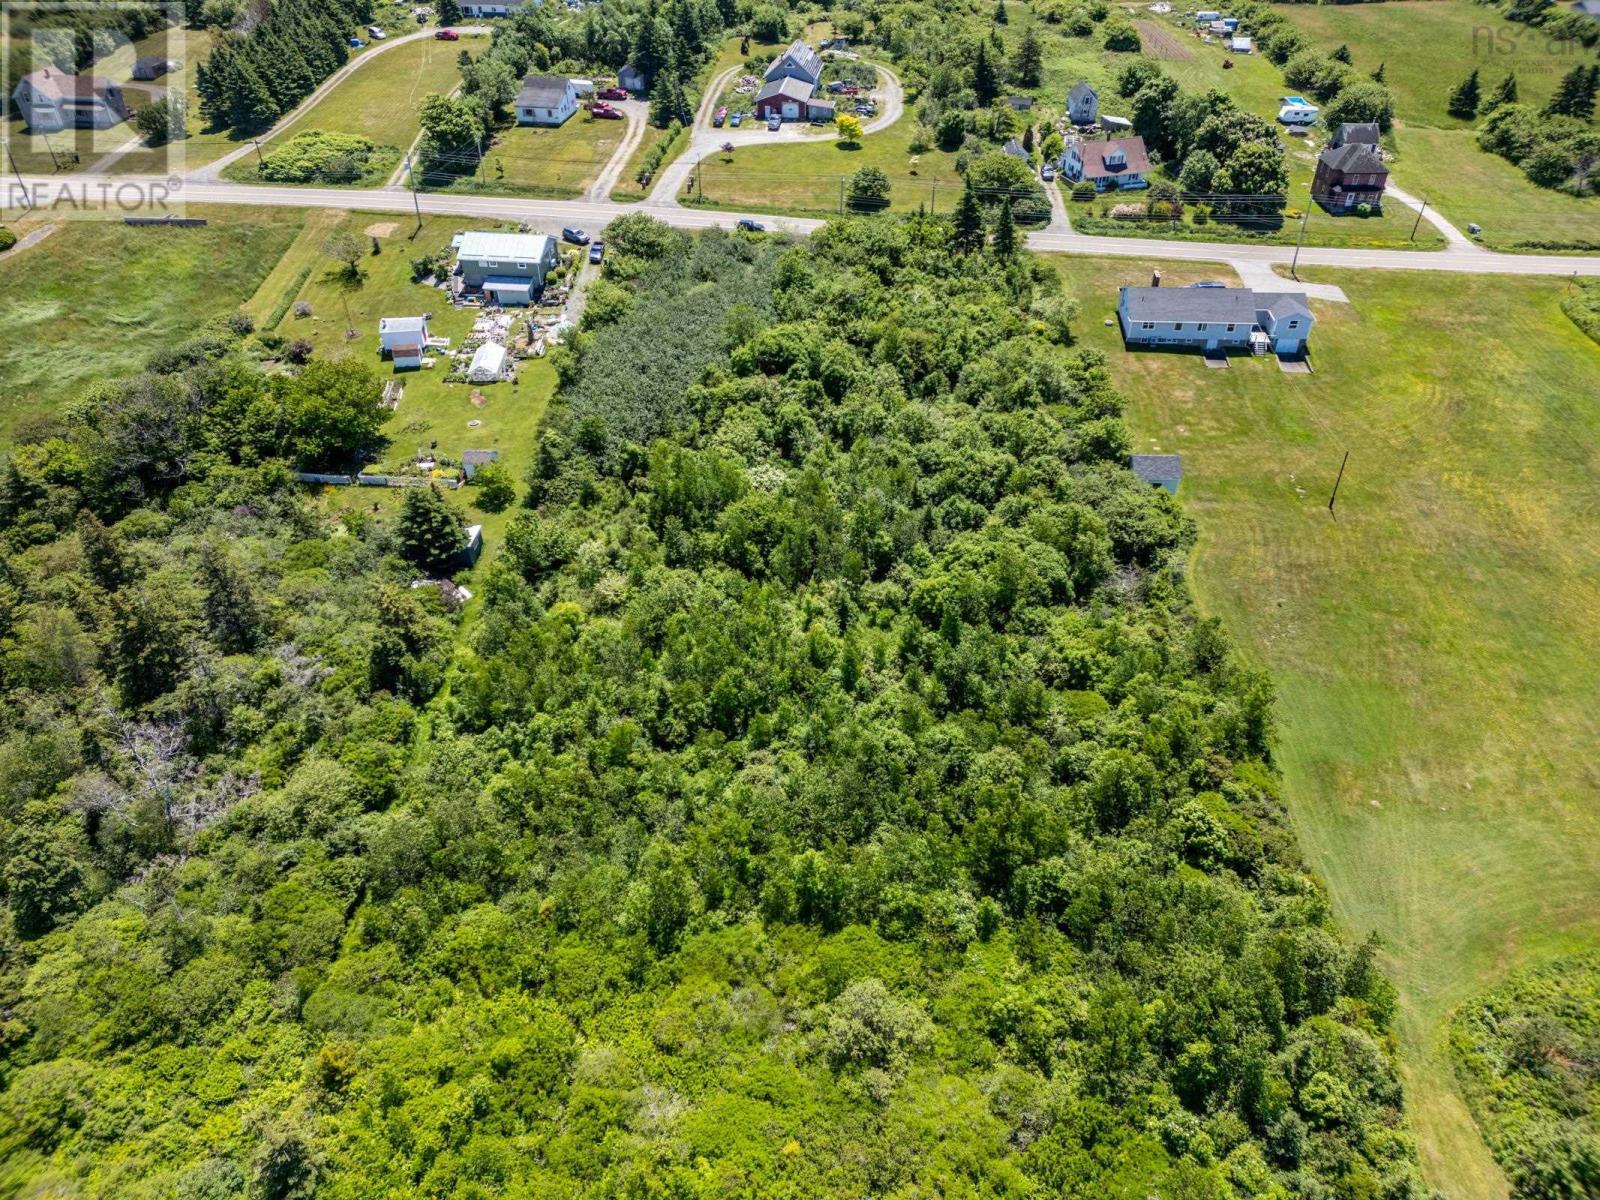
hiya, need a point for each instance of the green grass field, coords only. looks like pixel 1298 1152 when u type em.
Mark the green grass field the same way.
pixel 97 298
pixel 560 162
pixel 1433 647
pixel 1428 46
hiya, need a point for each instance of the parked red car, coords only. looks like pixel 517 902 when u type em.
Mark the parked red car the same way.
pixel 613 93
pixel 605 112
pixel 447 35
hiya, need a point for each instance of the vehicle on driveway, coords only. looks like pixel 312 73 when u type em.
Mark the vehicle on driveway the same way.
pixel 774 123
pixel 447 35
pixel 357 44
pixel 376 33
pixel 749 226
pixel 1047 173
pixel 736 120
pixel 614 93
pixel 605 112
pixel 720 116
pixel 576 236
pixel 597 252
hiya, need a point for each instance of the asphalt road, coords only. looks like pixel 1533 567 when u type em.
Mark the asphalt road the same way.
pixel 593 215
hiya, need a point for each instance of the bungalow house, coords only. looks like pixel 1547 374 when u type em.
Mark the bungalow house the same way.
pixel 1164 471
pixel 403 340
pixel 1214 319
pixel 1349 175
pixel 1114 163
pixel 153 67
pixel 50 101
pixel 490 8
pixel 509 268
pixel 546 100
pixel 1366 133
pixel 799 61
pixel 1083 104
pixel 785 97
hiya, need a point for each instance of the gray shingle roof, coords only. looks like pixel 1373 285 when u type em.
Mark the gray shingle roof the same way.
pixel 1279 305
pixel 788 86
pixel 1226 305
pixel 1079 91
pixel 1354 158
pixel 1357 131
pixel 478 458
pixel 802 56
pixel 1157 468
pixel 543 91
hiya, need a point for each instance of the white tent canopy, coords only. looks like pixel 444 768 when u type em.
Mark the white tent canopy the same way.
pixel 487 363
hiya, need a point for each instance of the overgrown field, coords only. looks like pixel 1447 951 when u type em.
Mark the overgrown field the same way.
pixel 836 795
pixel 1431 645
pixel 72 318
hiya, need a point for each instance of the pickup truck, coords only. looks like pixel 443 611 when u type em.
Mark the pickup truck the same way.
pixel 720 117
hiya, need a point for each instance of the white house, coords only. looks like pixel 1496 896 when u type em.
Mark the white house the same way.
pixel 1083 104
pixel 1213 318
pixel 50 101
pixel 509 268
pixel 404 340
pixel 1113 163
pixel 546 100
pixel 491 8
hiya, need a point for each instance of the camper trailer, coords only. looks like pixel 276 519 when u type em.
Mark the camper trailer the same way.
pixel 1297 111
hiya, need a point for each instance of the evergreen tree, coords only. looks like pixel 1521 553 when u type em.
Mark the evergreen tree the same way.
pixel 1464 100
pixel 449 12
pixel 232 609
pixel 1505 92
pixel 1342 54
pixel 1005 232
pixel 985 83
pixel 1381 74
pixel 968 221
pixel 1027 139
pixel 102 552
pixel 1027 65
pixel 1575 94
pixel 431 531
pixel 651 48
pixel 1000 17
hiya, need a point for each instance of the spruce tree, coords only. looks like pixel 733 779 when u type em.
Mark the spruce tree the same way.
pixel 1504 93
pixel 431 531
pixel 449 12
pixel 1005 232
pixel 1575 94
pixel 968 221
pixel 1464 100
pixel 1000 17
pixel 1028 63
pixel 1381 74
pixel 985 83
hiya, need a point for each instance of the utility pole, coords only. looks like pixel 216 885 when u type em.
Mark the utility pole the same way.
pixel 841 195
pixel 22 187
pixel 1418 222
pixel 1304 217
pixel 933 202
pixel 1338 481
pixel 482 175
pixel 261 163
pixel 416 202
pixel 51 146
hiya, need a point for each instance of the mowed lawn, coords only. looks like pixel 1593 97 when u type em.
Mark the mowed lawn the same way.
pixel 71 318
pixel 560 162
pixel 810 176
pixel 1434 646
pixel 1428 46
pixel 431 410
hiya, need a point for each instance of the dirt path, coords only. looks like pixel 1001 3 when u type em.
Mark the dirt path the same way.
pixel 636 112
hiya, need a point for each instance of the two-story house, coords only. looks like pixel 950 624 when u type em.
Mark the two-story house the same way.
pixel 799 61
pixel 1083 104
pixel 508 268
pixel 50 100
pixel 1348 176
pixel 1113 163
pixel 1214 318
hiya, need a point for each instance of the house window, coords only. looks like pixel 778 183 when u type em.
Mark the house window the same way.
pixel 1294 324
pixel 1147 325
pixel 1230 328
pixel 1177 326
pixel 1202 325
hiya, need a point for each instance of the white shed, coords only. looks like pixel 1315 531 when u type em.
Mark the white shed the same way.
pixel 403 339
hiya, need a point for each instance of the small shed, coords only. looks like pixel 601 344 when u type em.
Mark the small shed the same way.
pixel 1020 103
pixel 1159 470
pixel 1240 44
pixel 471 460
pixel 468 554
pixel 1115 124
pixel 1015 149
pixel 403 340
pixel 154 66
pixel 632 78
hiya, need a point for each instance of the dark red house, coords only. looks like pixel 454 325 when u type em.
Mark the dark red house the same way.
pixel 1349 175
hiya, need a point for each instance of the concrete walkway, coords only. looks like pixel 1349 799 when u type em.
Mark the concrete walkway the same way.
pixel 1453 237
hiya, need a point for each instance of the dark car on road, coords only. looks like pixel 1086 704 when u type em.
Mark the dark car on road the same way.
pixel 576 236
pixel 750 226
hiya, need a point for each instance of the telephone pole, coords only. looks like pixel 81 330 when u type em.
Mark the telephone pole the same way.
pixel 1304 217
pixel 261 163
pixel 22 186
pixel 1338 481
pixel 416 201
pixel 1418 222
